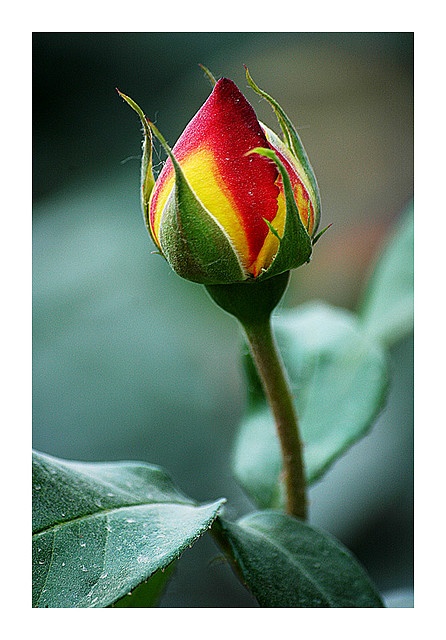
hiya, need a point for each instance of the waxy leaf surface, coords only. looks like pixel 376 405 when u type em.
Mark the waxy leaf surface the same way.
pixel 287 563
pixel 102 529
pixel 338 376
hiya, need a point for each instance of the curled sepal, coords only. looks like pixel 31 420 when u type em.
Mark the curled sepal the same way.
pixel 295 246
pixel 210 76
pixel 147 177
pixel 191 239
pixel 321 233
pixel 295 146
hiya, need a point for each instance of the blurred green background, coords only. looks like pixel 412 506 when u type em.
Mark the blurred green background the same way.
pixel 130 361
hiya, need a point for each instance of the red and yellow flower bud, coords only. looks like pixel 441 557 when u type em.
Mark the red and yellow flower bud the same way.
pixel 233 202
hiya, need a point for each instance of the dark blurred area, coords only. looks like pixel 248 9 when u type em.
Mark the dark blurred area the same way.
pixel 130 361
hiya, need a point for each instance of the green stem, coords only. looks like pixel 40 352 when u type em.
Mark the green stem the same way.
pixel 252 304
pixel 277 389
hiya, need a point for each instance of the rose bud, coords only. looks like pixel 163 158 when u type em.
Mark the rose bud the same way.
pixel 233 202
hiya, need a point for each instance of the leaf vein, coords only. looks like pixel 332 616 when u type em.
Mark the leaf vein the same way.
pixel 294 562
pixel 105 512
pixel 49 569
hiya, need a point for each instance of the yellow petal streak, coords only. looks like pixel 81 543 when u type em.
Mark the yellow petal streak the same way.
pixel 271 244
pixel 201 171
pixel 303 205
pixel 162 193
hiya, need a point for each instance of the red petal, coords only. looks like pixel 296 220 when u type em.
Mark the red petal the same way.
pixel 226 125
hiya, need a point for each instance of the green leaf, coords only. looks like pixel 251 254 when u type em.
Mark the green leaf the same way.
pixel 338 376
pixel 387 309
pixel 147 594
pixel 101 529
pixel 287 563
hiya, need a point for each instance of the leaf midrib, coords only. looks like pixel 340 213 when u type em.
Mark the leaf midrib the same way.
pixel 293 560
pixel 95 514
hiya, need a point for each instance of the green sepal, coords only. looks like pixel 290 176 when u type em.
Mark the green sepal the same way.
pixel 321 233
pixel 192 241
pixel 295 246
pixel 210 76
pixel 252 301
pixel 147 177
pixel 294 144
